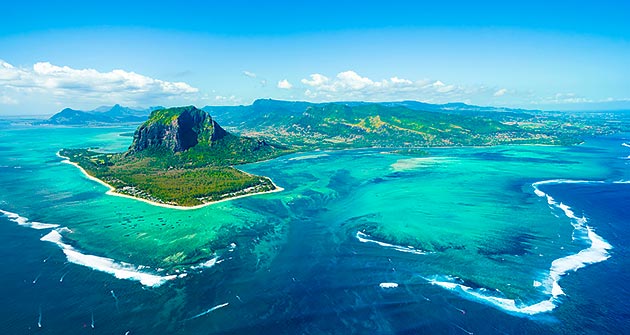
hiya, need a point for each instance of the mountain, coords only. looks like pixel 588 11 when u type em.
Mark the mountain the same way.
pixel 70 116
pixel 100 115
pixel 391 124
pixel 269 109
pixel 177 129
pixel 181 156
pixel 187 136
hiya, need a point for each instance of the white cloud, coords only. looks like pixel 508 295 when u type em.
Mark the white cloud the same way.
pixel 74 85
pixel 284 84
pixel 317 80
pixel 500 92
pixel 349 85
pixel 249 74
pixel 396 80
pixel 227 100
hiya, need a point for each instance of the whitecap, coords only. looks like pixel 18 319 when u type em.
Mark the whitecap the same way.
pixel 208 311
pixel 596 252
pixel 388 285
pixel 482 295
pixel 365 238
pixel 23 221
pixel 120 270
pixel 207 264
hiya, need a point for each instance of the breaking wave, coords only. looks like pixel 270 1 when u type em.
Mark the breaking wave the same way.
pixel 596 252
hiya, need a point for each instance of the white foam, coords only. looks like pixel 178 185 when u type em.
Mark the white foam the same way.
pixel 300 158
pixel 388 285
pixel 595 253
pixel 626 145
pixel 365 238
pixel 23 221
pixel 120 270
pixel 208 311
pixel 539 192
pixel 208 264
pixel 482 295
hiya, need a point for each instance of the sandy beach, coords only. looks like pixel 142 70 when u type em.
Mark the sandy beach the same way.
pixel 112 190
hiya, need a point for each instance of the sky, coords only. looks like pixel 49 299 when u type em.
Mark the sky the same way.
pixel 565 55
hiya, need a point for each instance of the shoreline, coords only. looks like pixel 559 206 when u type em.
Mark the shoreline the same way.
pixel 112 190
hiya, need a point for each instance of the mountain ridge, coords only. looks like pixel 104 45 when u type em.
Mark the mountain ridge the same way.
pixel 100 115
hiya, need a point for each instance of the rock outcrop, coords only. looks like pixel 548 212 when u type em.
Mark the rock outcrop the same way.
pixel 176 129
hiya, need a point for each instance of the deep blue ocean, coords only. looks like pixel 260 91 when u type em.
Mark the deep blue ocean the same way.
pixel 322 279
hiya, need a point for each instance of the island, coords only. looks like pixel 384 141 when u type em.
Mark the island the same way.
pixel 180 158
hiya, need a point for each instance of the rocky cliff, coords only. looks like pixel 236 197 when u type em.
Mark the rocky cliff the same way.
pixel 177 129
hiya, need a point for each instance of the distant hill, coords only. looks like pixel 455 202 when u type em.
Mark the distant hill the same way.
pixel 265 109
pixel 391 124
pixel 102 115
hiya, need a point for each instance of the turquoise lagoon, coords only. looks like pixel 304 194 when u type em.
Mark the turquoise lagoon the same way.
pixel 507 239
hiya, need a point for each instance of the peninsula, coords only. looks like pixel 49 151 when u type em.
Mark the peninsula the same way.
pixel 180 157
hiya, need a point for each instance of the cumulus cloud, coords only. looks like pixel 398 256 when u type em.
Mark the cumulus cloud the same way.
pixel 500 92
pixel 227 100
pixel 317 80
pixel 63 82
pixel 284 84
pixel 349 85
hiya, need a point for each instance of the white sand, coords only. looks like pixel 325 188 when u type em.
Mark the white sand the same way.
pixel 112 190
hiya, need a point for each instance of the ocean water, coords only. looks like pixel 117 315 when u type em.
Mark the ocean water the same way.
pixel 500 240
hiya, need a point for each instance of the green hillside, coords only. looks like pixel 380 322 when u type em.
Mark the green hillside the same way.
pixel 355 125
pixel 180 156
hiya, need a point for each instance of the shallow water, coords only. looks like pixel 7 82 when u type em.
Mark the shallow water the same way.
pixel 359 241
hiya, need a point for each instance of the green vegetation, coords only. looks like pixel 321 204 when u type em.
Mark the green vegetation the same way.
pixel 149 179
pixel 180 156
pixel 354 125
pixel 165 116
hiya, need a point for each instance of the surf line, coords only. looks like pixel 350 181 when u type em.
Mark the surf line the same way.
pixel 120 270
pixel 597 251
pixel 24 221
pixel 365 238
pixel 208 311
